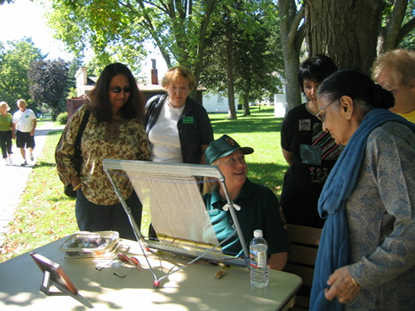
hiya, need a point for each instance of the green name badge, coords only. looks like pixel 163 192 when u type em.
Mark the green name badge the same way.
pixel 188 120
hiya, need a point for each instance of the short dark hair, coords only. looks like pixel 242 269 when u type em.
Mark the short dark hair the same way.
pixel 100 103
pixel 315 68
pixel 357 86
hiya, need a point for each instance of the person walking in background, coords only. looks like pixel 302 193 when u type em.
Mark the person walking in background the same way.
pixel 6 126
pixel 366 255
pixel 114 130
pixel 178 128
pixel 309 151
pixel 259 207
pixel 24 125
pixel 395 72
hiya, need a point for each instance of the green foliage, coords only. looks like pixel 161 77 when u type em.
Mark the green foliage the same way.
pixel 48 83
pixel 108 27
pixel 70 90
pixel 62 118
pixel 71 93
pixel 247 29
pixel 6 1
pixel 116 30
pixel 16 58
pixel 408 41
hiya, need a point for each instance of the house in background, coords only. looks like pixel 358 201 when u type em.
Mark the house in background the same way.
pixel 280 105
pixel 216 103
pixel 149 88
pixel 84 84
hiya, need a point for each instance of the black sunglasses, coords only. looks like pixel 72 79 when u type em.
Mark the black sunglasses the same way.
pixel 118 89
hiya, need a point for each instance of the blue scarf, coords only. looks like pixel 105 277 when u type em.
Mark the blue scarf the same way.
pixel 333 251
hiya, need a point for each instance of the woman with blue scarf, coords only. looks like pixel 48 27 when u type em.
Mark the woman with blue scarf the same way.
pixel 366 257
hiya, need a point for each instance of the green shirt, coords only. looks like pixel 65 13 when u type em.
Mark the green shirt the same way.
pixel 6 122
pixel 260 209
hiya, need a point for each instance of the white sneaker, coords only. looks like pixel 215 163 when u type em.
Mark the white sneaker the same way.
pixel 24 163
pixel 9 161
pixel 32 158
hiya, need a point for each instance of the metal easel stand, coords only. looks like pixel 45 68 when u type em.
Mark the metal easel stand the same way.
pixel 48 281
pixel 136 230
pixel 231 206
pixel 139 237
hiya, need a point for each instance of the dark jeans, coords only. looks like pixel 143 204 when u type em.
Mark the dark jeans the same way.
pixel 6 143
pixel 92 217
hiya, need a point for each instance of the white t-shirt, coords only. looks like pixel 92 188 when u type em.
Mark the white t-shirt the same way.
pixel 24 120
pixel 164 136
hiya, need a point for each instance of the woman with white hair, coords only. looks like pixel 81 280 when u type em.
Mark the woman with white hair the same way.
pixel 6 132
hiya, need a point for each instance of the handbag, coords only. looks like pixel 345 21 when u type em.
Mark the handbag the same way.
pixel 77 157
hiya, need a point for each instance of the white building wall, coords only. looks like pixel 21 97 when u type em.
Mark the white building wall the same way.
pixel 280 105
pixel 213 102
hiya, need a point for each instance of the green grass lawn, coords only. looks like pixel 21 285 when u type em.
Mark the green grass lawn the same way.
pixel 45 214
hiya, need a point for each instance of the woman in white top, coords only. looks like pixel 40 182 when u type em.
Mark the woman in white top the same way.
pixel 178 128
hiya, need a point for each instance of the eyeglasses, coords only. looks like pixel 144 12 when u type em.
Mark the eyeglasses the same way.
pixel 118 89
pixel 321 115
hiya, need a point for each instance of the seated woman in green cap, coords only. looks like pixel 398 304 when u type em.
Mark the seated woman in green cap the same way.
pixel 259 207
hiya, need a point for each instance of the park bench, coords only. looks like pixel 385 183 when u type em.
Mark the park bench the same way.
pixel 301 257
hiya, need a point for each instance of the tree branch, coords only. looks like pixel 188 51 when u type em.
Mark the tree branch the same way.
pixel 394 26
pixel 211 4
pixel 153 33
pixel 293 31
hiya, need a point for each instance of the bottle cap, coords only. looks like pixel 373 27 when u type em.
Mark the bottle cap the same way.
pixel 258 233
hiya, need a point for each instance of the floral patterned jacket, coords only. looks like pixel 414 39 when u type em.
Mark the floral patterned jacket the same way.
pixel 118 139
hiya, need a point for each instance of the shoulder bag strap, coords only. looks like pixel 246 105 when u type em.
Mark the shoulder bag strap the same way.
pixel 80 131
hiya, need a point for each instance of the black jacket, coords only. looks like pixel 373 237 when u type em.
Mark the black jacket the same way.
pixel 193 126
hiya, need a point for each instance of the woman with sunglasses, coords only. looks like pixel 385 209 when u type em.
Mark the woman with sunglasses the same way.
pixel 114 130
pixel 366 256
pixel 309 151
pixel 178 128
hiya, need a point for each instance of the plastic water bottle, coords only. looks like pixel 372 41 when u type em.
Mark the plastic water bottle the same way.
pixel 258 261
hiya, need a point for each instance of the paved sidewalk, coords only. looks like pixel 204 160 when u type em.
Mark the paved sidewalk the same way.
pixel 13 178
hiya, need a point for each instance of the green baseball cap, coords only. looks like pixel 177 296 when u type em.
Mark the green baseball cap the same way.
pixel 223 147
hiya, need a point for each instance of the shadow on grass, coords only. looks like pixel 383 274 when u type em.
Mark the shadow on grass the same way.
pixel 61 198
pixel 245 125
pixel 40 164
pixel 42 132
pixel 268 174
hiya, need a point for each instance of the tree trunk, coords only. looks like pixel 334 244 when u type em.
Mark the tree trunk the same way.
pixel 346 30
pixel 245 103
pixel 229 75
pixel 291 38
pixel 393 28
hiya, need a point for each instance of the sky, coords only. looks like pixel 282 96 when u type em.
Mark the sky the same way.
pixel 26 19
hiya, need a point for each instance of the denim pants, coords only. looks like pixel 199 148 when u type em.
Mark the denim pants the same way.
pixel 92 217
